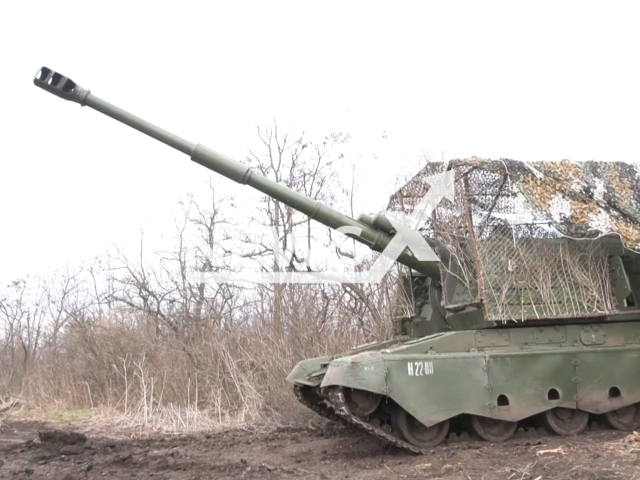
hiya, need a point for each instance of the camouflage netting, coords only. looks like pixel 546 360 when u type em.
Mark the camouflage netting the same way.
pixel 530 240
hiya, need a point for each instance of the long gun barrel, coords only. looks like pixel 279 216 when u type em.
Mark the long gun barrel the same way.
pixel 371 234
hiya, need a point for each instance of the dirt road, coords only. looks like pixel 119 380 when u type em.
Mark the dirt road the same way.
pixel 327 452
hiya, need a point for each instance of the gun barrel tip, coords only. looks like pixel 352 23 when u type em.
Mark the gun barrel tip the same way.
pixel 41 74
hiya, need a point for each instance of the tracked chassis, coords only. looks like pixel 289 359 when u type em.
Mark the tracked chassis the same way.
pixel 486 382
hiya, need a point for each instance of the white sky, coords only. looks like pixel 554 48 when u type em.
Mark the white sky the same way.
pixel 534 81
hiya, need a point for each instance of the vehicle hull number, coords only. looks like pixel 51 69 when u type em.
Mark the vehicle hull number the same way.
pixel 419 368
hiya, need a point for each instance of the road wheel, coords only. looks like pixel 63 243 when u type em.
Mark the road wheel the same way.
pixel 627 418
pixel 491 429
pixel 360 402
pixel 416 433
pixel 566 421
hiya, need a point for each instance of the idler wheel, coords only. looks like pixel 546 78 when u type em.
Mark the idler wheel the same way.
pixel 416 433
pixel 625 419
pixel 566 421
pixel 360 402
pixel 493 430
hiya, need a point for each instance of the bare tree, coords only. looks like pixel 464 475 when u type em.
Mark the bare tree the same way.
pixel 304 166
pixel 143 334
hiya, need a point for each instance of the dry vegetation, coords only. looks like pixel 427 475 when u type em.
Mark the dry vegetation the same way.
pixel 175 372
pixel 138 340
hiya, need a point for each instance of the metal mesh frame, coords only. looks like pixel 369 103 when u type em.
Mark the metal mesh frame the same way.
pixel 524 240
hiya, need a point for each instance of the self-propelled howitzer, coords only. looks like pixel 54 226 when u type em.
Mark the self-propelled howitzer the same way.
pixel 522 319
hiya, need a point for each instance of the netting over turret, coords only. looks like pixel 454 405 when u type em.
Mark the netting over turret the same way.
pixel 531 240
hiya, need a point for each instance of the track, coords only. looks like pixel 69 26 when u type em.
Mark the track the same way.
pixel 336 409
pixel 307 397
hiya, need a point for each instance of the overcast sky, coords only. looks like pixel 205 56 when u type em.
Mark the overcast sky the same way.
pixel 529 81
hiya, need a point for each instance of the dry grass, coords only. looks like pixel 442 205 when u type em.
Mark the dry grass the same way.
pixel 117 372
pixel 629 446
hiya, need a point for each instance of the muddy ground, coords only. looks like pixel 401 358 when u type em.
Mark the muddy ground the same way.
pixel 325 452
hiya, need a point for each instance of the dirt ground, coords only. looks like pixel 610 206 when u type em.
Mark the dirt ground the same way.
pixel 325 452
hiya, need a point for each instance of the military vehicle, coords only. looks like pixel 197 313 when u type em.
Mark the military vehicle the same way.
pixel 529 308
